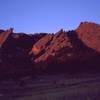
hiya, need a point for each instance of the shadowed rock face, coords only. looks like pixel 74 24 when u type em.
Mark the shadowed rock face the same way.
pixel 4 36
pixel 1 31
pixel 72 51
pixel 14 58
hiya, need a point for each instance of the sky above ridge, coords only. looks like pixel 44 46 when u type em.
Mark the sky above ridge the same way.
pixel 31 16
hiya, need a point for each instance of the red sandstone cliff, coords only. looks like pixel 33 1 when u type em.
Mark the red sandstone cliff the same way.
pixel 69 51
pixel 89 33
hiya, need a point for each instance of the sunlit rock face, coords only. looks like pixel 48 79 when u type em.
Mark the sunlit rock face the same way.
pixel 50 45
pixel 62 47
pixel 66 49
pixel 89 33
pixel 24 54
pixel 41 44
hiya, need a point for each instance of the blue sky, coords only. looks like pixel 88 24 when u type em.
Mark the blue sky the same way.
pixel 47 15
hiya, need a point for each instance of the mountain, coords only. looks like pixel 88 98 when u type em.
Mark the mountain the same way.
pixel 73 51
pixel 14 58
pixel 89 33
pixel 69 50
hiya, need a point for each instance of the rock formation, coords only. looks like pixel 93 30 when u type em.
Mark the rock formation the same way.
pixel 4 36
pixel 65 51
pixel 14 58
pixel 89 33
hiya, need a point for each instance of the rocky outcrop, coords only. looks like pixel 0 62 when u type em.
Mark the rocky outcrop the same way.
pixel 62 43
pixel 63 50
pixel 89 33
pixel 67 51
pixel 41 45
pixel 14 58
pixel 50 45
pixel 4 36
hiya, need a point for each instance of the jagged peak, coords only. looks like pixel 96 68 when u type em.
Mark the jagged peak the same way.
pixel 88 25
pixel 89 33
pixel 4 35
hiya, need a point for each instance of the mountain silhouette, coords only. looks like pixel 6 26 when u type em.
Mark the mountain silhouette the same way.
pixel 74 51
